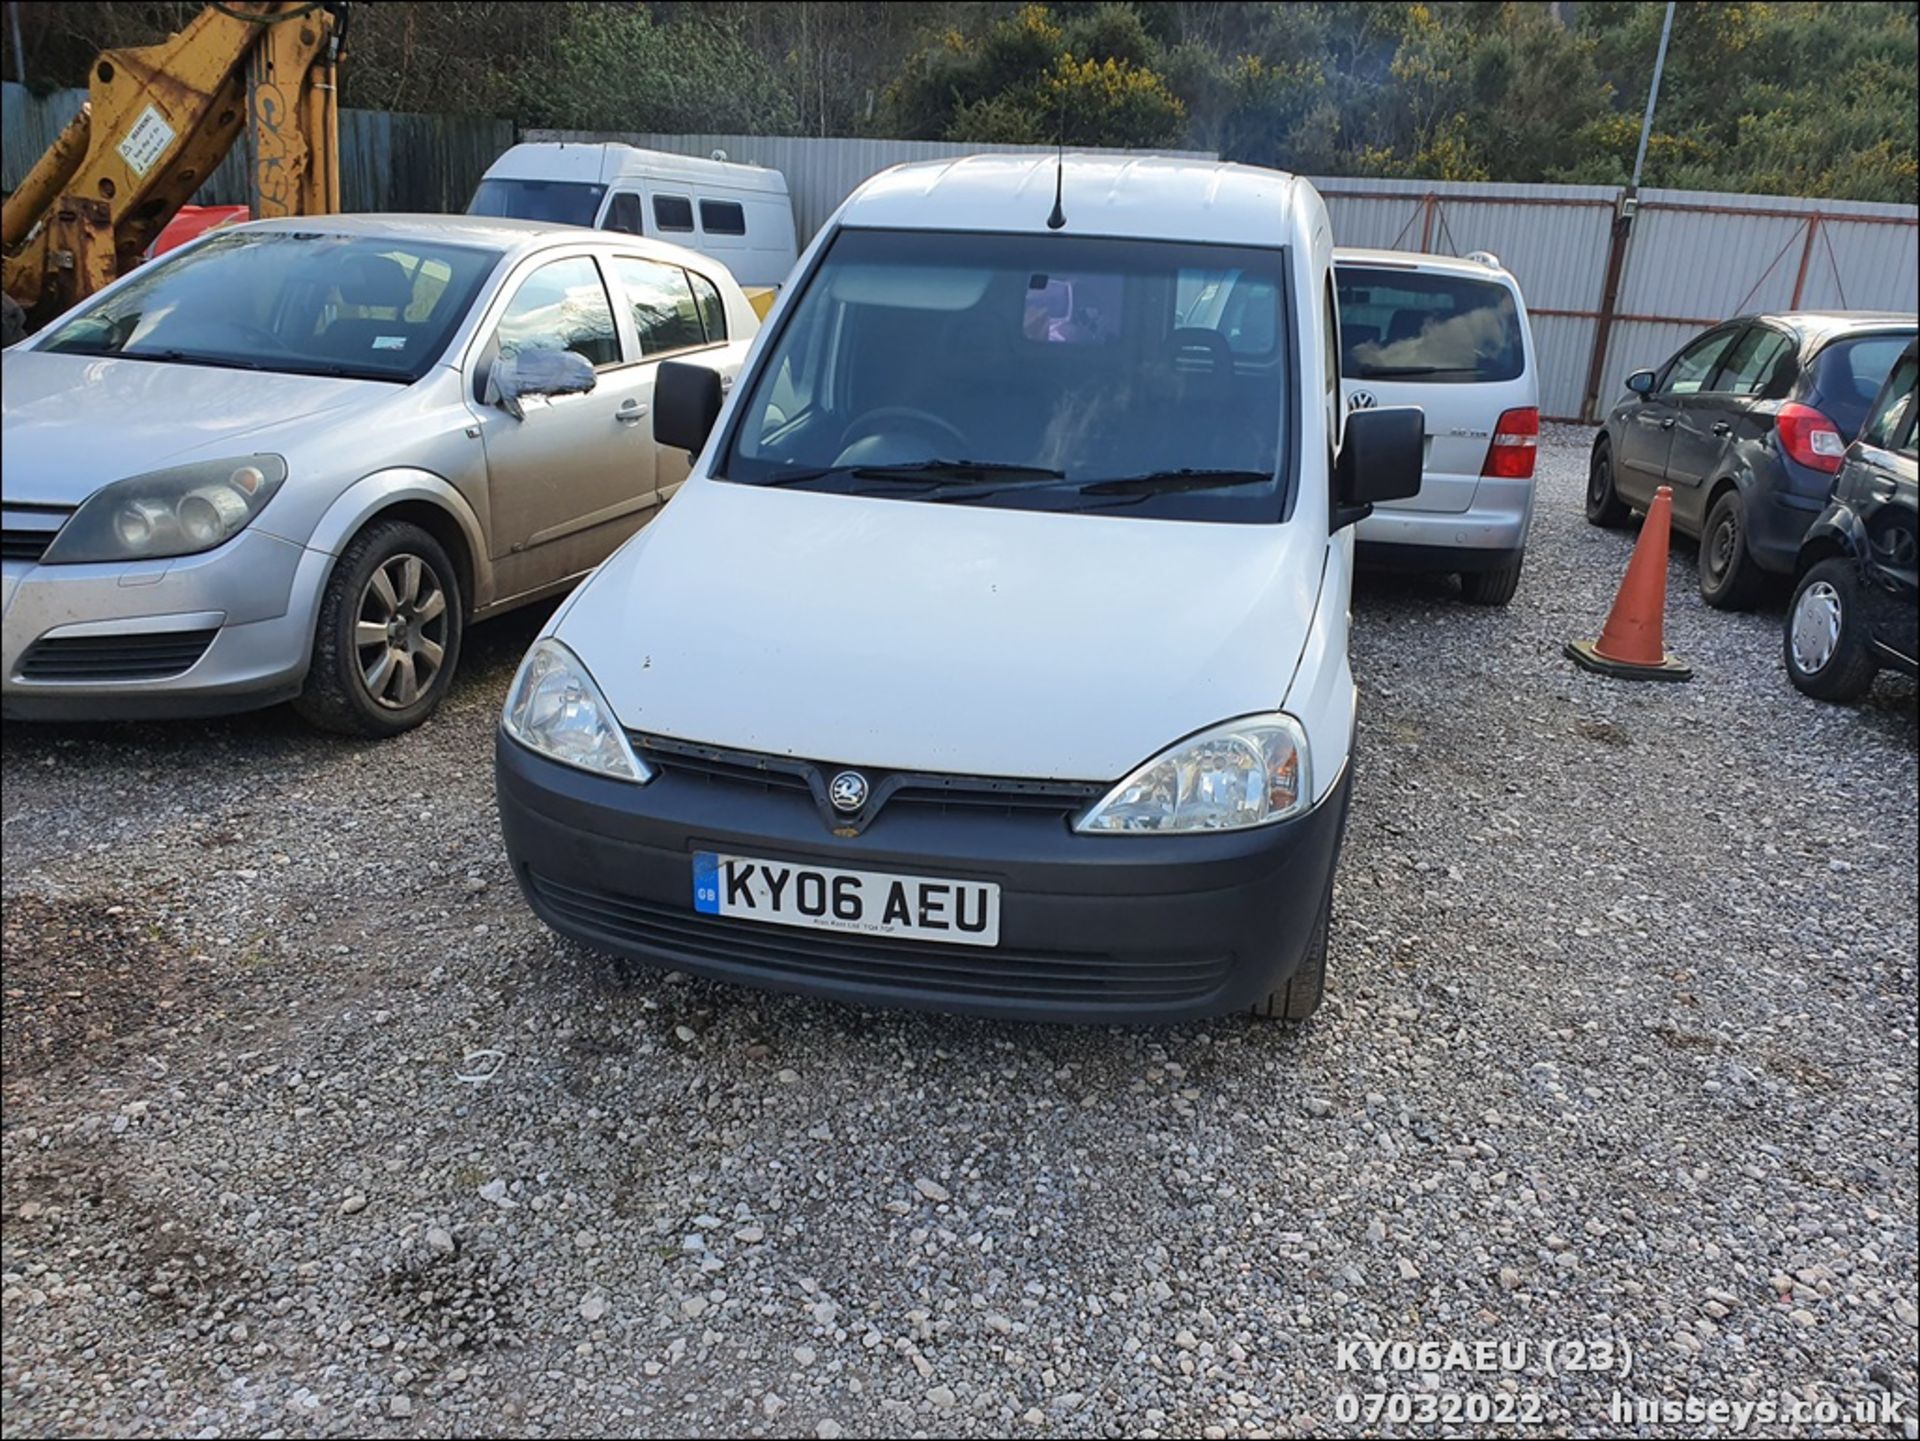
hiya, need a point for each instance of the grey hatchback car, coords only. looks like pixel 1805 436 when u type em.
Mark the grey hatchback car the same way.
pixel 292 460
pixel 1748 423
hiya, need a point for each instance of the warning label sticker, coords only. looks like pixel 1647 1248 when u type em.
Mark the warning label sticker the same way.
pixel 146 142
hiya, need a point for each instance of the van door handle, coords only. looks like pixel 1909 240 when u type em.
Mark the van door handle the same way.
pixel 1720 427
pixel 630 412
pixel 1667 424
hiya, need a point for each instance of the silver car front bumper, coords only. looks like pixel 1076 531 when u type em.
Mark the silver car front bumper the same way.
pixel 84 634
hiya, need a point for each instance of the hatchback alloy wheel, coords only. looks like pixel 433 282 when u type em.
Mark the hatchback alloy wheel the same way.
pixel 401 631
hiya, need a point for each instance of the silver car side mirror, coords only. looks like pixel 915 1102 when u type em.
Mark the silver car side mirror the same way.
pixel 515 378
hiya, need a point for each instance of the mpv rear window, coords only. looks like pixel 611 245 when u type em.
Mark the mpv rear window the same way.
pixel 1409 325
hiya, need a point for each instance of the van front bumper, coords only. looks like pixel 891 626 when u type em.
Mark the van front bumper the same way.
pixel 1092 928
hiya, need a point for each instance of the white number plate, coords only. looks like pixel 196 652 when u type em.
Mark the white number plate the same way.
pixel 866 903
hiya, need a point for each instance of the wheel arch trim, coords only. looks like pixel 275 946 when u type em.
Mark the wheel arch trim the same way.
pixel 366 499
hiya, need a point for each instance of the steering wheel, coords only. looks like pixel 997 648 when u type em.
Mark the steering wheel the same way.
pixel 1196 337
pixel 877 420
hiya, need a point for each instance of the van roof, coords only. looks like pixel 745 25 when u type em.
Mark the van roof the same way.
pixel 1416 260
pixel 1149 196
pixel 601 161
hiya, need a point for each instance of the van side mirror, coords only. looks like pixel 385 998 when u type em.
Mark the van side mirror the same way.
pixel 686 402
pixel 1641 382
pixel 1381 457
pixel 513 379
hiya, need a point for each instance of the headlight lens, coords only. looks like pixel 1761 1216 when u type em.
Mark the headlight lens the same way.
pixel 555 709
pixel 1248 772
pixel 181 511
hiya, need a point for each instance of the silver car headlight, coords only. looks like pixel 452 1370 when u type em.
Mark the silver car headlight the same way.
pixel 182 510
pixel 1248 772
pixel 555 710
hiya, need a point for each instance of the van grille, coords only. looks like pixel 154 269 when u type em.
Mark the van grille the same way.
pixel 1004 796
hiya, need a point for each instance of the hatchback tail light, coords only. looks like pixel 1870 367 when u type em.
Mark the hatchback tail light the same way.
pixel 1809 437
pixel 1516 440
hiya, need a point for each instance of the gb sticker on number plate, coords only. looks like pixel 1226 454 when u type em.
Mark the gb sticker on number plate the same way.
pixel 871 903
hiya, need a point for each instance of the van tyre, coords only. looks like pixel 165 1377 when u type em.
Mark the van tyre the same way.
pixel 1828 656
pixel 1605 508
pixel 1490 587
pixel 1730 578
pixel 1300 997
pixel 389 633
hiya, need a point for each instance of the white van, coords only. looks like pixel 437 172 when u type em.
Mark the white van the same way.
pixel 741 215
pixel 1451 336
pixel 994 656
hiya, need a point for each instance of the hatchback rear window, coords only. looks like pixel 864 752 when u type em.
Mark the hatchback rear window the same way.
pixel 1848 374
pixel 1408 325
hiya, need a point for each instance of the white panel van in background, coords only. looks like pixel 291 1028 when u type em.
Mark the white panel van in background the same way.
pixel 741 215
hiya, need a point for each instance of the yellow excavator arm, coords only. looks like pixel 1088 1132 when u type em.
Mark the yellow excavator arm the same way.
pixel 157 121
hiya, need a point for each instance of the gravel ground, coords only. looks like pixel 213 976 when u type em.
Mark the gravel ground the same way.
pixel 311 1128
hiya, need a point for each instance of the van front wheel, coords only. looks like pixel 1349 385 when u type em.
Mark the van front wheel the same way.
pixel 1300 997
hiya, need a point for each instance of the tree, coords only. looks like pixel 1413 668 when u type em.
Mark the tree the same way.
pixel 614 68
pixel 1034 77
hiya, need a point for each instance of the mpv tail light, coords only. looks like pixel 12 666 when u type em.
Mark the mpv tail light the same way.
pixel 1809 437
pixel 1516 440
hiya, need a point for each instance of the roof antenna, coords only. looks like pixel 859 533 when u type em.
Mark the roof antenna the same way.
pixel 1059 217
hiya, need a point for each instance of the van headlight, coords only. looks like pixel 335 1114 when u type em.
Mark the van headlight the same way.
pixel 1248 772
pixel 555 709
pixel 179 511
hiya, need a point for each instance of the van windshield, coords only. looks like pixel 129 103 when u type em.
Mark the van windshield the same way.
pixel 1414 325
pixel 559 202
pixel 1041 372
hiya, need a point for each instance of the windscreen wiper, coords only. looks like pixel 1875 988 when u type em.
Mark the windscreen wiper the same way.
pixel 1162 482
pixel 1389 372
pixel 925 472
pixel 182 357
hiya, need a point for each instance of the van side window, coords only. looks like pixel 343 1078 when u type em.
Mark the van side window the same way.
pixel 625 214
pixel 713 314
pixel 561 306
pixel 672 212
pixel 723 217
pixel 663 307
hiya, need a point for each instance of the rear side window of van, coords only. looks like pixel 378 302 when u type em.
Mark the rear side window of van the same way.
pixel 672 212
pixel 723 217
pixel 1409 325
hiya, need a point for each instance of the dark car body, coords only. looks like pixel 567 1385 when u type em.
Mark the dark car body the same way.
pixel 1856 601
pixel 1747 423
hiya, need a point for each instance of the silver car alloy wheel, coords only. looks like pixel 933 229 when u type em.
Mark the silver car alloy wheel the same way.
pixel 400 630
pixel 1816 627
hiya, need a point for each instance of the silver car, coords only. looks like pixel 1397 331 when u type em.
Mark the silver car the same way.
pixel 292 460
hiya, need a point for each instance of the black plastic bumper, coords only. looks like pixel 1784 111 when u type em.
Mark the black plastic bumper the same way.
pixel 1092 929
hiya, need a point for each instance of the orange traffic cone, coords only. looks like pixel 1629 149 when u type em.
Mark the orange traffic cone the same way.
pixel 1631 648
